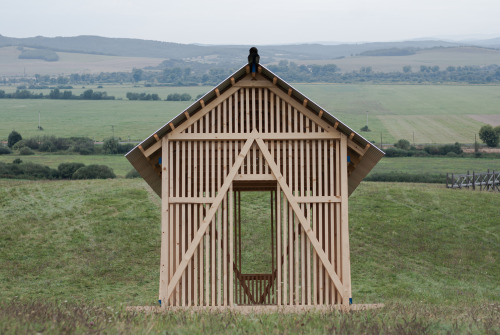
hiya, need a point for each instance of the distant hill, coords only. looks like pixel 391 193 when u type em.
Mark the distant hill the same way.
pixel 224 54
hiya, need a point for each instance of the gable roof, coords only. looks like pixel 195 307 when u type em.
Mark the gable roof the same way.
pixel 369 153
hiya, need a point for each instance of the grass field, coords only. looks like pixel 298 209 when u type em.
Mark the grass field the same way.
pixel 418 113
pixel 74 253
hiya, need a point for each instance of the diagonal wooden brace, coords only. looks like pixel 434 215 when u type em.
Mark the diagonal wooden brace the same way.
pixel 206 221
pixel 303 221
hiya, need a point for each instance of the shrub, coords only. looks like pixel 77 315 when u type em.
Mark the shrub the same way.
pixel 395 152
pixel 66 170
pixel 19 170
pixel 489 136
pixel 5 151
pixel 110 146
pixel 94 172
pixel 14 137
pixel 444 149
pixel 25 151
pixel 132 174
pixel 365 128
pixel 403 144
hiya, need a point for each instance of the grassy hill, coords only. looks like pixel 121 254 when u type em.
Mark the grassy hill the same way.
pixel 73 254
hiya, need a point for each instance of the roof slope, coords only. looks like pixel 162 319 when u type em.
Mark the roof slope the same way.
pixel 368 153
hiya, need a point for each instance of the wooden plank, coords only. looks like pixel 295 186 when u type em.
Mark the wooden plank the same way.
pixel 318 199
pixel 346 262
pixel 204 225
pixel 171 216
pixel 303 221
pixel 244 136
pixel 266 112
pixel 308 216
pixel 337 216
pixel 177 217
pixel 326 224
pixel 231 235
pixel 278 242
pixel 165 222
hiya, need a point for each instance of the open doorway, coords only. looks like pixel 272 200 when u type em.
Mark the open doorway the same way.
pixel 255 253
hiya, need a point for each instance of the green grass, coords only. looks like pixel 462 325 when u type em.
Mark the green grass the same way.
pixel 435 165
pixel 74 253
pixel 418 113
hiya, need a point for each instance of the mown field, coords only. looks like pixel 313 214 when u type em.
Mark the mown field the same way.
pixel 73 254
pixel 418 113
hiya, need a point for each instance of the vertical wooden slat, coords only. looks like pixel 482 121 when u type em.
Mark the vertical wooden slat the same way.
pixel 189 221
pixel 307 211
pixel 231 232
pixel 277 251
pixel 295 219
pixel 171 216
pixel 317 230
pixel 177 220
pixel 337 217
pixel 212 265
pixel 346 263
pixel 201 193
pixel 165 221
pixel 325 222
pixel 266 111
pixel 271 113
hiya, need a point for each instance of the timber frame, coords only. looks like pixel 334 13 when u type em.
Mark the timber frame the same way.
pixel 254 134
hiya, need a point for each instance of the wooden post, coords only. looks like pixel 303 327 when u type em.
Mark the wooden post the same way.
pixel 346 259
pixel 165 222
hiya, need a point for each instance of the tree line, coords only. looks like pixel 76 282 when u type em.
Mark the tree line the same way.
pixel 56 94
pixel 290 71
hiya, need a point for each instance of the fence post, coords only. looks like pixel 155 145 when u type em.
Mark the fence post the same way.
pixel 467 180
pixel 452 181
pixel 473 180
pixel 447 180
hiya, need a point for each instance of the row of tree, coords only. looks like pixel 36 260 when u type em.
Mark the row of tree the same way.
pixel 186 76
pixel 57 94
pixel 155 97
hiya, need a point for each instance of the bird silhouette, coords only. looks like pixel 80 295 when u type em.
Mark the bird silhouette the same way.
pixel 253 60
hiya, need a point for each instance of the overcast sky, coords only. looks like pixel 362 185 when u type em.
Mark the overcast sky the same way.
pixel 252 22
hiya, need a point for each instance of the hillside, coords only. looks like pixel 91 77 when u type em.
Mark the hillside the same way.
pixel 67 248
pixel 227 54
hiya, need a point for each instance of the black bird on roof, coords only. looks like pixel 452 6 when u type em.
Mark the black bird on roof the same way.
pixel 253 60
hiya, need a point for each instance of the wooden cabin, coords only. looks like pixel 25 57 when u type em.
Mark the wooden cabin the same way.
pixel 254 132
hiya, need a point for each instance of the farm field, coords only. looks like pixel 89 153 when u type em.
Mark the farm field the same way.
pixel 73 254
pixel 11 65
pixel 418 113
pixel 442 57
